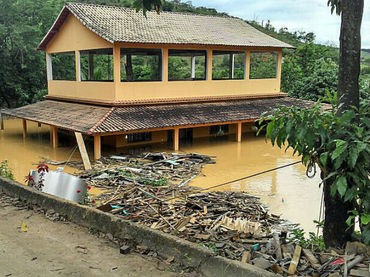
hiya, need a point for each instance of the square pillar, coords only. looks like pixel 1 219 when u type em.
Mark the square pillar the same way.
pixel 24 123
pixel 165 65
pixel 176 139
pixel 97 147
pixel 209 64
pixel 239 132
pixel 1 121
pixel 54 139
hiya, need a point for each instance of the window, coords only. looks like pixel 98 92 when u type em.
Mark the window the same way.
pixel 219 130
pixel 228 65
pixel 186 65
pixel 139 137
pixel 141 65
pixel 64 66
pixel 263 65
pixel 97 65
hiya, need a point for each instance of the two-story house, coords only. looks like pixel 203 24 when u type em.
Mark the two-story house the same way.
pixel 126 79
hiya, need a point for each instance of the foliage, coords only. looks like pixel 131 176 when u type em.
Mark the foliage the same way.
pixel 338 143
pixel 313 242
pixel 263 65
pixel 310 72
pixel 153 182
pixel 5 171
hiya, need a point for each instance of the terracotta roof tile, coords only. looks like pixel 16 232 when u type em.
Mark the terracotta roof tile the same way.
pixel 92 119
pixel 119 24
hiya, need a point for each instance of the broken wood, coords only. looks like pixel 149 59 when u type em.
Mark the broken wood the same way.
pixel 83 152
pixel 294 262
pixel 311 258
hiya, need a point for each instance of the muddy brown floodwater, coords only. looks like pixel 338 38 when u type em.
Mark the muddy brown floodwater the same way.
pixel 287 192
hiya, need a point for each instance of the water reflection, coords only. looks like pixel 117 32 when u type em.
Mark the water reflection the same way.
pixel 287 191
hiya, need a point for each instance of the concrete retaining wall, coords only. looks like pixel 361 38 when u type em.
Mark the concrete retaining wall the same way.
pixel 187 253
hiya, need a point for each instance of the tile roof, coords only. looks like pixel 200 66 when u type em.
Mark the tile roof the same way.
pixel 91 119
pixel 119 24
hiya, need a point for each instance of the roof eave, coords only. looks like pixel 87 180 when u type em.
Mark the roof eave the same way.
pixel 54 28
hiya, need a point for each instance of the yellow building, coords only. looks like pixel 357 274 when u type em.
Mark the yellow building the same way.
pixel 126 79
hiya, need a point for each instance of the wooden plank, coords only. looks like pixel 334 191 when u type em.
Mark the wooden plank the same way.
pixel 311 258
pixel 176 139
pixel 97 147
pixel 24 123
pixel 246 257
pixel 294 262
pixel 83 152
pixel 360 273
pixel 54 139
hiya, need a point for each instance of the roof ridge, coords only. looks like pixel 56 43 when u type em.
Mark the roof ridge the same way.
pixel 166 12
pixel 91 130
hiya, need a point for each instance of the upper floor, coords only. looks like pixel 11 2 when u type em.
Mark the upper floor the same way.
pixel 113 55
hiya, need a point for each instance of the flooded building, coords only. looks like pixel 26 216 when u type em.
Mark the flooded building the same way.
pixel 126 79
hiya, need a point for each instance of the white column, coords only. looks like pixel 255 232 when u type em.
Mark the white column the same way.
pixel 49 67
pixel 232 58
pixel 193 67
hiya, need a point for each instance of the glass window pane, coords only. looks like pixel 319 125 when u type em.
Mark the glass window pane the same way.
pixel 186 65
pixel 228 65
pixel 96 65
pixel 141 65
pixel 263 65
pixel 64 66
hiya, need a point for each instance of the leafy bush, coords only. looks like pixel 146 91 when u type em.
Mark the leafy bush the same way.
pixel 338 144
pixel 5 171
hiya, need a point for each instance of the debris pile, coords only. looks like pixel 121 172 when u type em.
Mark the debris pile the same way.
pixel 151 190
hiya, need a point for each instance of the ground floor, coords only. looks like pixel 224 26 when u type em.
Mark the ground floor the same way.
pixel 33 245
pixel 130 125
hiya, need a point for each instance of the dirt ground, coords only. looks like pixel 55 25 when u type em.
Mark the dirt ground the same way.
pixel 32 245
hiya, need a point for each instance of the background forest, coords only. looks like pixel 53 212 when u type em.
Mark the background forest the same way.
pixel 309 71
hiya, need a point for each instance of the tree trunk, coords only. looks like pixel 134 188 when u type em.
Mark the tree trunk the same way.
pixel 336 232
pixel 349 55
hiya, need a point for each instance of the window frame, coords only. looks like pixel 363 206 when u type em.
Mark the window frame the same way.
pixel 230 52
pixel 142 50
pixel 205 55
pixel 276 54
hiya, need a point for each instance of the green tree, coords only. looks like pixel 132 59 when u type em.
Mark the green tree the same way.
pixel 338 141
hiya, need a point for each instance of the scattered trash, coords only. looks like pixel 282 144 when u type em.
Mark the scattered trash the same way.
pixel 124 249
pixel 24 227
pixel 81 249
pixel 58 183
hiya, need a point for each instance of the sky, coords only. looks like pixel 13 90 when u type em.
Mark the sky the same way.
pixel 297 15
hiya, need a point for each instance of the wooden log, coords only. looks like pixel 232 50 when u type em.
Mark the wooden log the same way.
pixel 295 260
pixel 83 152
pixel 354 262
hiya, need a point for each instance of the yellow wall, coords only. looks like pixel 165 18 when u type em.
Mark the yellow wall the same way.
pixel 99 91
pixel 74 36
